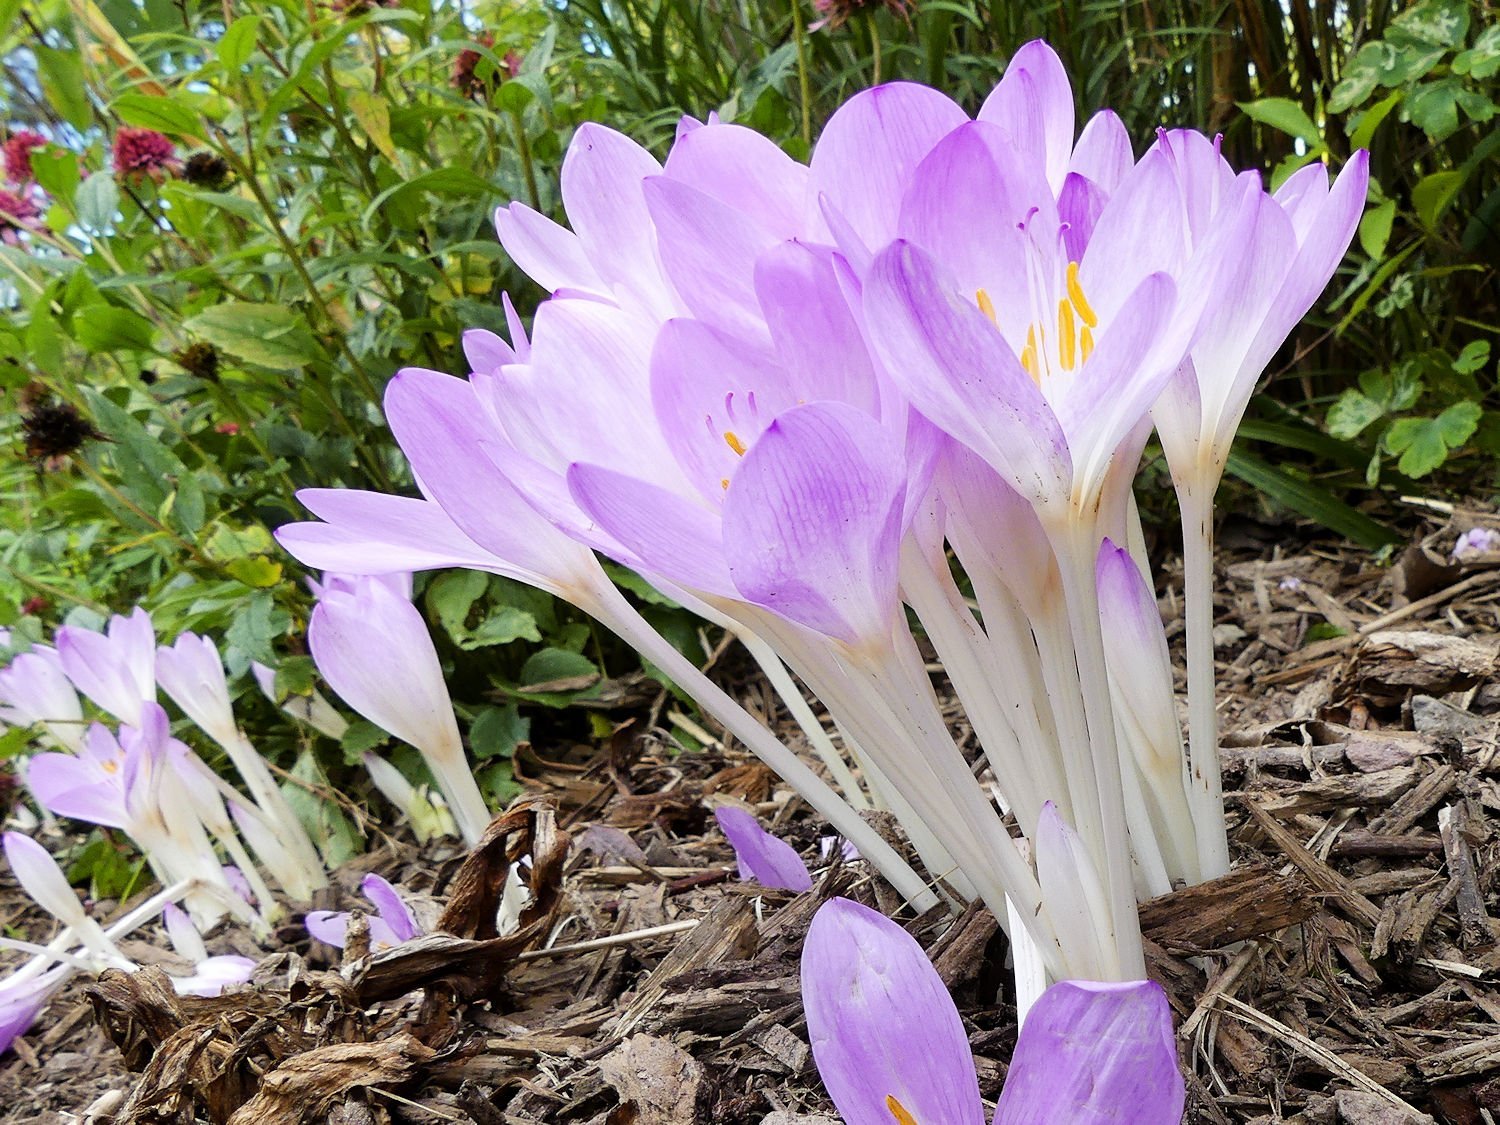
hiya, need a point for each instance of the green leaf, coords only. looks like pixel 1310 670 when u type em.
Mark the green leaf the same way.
pixel 361 737
pixel 325 822
pixel 295 675
pixel 107 328
pixel 1368 121
pixel 97 201
pixel 501 626
pixel 1352 414
pixel 496 731
pixel 267 335
pixel 1483 59
pixel 1433 193
pixel 256 571
pixel 452 595
pixel 254 628
pixel 1424 443
pixel 549 667
pixel 61 75
pixel 373 113
pixel 238 42
pixel 1285 115
pixel 1475 355
pixel 1375 228
pixel 55 170
pixel 1433 107
pixel 165 115
pixel 1309 500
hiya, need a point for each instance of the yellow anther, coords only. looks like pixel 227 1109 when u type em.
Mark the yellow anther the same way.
pixel 110 765
pixel 986 305
pixel 732 439
pixel 724 483
pixel 1080 302
pixel 1086 343
pixel 1028 356
pixel 899 1111
pixel 1067 336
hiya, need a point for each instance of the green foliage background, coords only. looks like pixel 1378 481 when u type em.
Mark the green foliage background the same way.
pixel 350 235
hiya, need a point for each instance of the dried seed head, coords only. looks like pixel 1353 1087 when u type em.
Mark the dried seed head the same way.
pixel 206 169
pixel 53 430
pixel 200 359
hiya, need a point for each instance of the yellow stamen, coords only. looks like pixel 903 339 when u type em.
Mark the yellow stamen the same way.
pixel 1080 302
pixel 724 483
pixel 1086 343
pixel 732 439
pixel 111 766
pixel 899 1111
pixel 986 305
pixel 1067 336
pixel 1028 355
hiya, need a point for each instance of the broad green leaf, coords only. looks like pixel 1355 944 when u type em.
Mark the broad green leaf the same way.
pixel 268 335
pixel 1285 115
pixel 238 42
pixel 1483 59
pixel 1473 358
pixel 452 595
pixel 166 115
pixel 1424 443
pixel 496 731
pixel 1368 121
pixel 55 170
pixel 361 737
pixel 330 829
pixel 97 201
pixel 256 571
pixel 107 328
pixel 373 113
pixel 1433 193
pixel 1352 414
pixel 551 666
pixel 1375 228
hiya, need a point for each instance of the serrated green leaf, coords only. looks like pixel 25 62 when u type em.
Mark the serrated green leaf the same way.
pixel 267 335
pixel 97 201
pixel 1425 443
pixel 165 115
pixel 361 737
pixel 1483 59
pixel 1475 355
pixel 501 626
pixel 452 594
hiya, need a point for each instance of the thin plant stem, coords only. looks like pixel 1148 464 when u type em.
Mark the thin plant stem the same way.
pixel 804 87
pixel 1205 791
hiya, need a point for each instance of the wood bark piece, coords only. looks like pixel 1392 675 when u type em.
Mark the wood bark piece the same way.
pixel 726 933
pixel 1244 904
pixel 1474 920
pixel 304 1088
pixel 658 1080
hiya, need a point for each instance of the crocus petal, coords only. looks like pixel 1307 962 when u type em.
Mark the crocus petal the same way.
pixel 371 533
pixel 486 351
pixel 653 530
pixel 192 675
pixel 35 689
pixel 440 424
pixel 1074 895
pixel 813 519
pixel 762 857
pixel 547 253
pixel 869 149
pixel 1118 257
pixel 746 171
pixel 214 975
pixel 332 928
pixel 1079 206
pixel 1095 1054
pixel 708 250
pixel 115 669
pixel 41 878
pixel 1103 154
pixel 1034 104
pixel 958 371
pixel 72 787
pixel 391 907
pixel 183 935
pixel 882 1024
pixel 375 650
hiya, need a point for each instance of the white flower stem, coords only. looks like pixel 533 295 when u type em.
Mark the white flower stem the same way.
pixel 610 607
pixel 786 687
pixel 275 807
pixel 1206 786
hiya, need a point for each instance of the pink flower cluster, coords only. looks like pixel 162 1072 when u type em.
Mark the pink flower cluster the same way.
pixel 143 152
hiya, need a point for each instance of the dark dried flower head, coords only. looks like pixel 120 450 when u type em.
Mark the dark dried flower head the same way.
pixel 352 8
pixel 53 430
pixel 143 152
pixel 17 151
pixel 838 12
pixel 19 210
pixel 465 78
pixel 206 169
pixel 200 359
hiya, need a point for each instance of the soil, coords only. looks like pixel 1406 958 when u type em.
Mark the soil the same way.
pixel 1345 972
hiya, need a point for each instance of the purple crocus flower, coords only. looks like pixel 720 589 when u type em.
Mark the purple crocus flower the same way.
pixel 890 1045
pixel 762 857
pixel 373 647
pixel 117 668
pixel 34 690
pixel 391 924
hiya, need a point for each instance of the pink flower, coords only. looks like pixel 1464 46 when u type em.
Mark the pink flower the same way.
pixel 141 152
pixel 18 211
pixel 16 153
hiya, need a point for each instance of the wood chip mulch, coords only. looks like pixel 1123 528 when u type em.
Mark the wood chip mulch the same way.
pixel 1347 970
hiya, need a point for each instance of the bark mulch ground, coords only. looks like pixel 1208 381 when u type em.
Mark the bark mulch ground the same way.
pixel 1347 971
